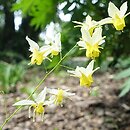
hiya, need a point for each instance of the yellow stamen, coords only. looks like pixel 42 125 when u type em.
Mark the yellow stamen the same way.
pixel 39 108
pixel 92 50
pixel 37 57
pixel 34 115
pixel 29 111
pixel 59 97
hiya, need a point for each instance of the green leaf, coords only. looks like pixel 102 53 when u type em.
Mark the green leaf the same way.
pixel 125 88
pixel 123 74
pixel 10 74
pixel 23 5
pixel 41 11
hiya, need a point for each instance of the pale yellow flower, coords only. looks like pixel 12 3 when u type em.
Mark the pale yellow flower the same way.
pixel 38 104
pixel 38 54
pixel 91 43
pixel 89 24
pixel 117 16
pixel 54 43
pixel 84 74
pixel 58 95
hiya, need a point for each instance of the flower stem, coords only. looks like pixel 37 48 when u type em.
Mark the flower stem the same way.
pixel 39 84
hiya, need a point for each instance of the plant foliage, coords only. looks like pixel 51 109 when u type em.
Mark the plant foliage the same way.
pixel 42 12
pixel 126 86
pixel 9 75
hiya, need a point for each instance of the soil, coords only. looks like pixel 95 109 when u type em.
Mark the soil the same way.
pixel 84 112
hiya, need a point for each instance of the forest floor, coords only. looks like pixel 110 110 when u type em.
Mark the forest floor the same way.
pixel 84 112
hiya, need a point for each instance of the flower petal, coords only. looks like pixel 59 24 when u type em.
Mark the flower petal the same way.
pixel 77 22
pixel 123 9
pixel 57 42
pixel 75 73
pixel 86 35
pixel 48 40
pixel 82 44
pixel 97 35
pixel 44 48
pixel 96 69
pixel 24 102
pixel 88 20
pixel 33 45
pixel 101 41
pixel 83 70
pixel 41 97
pixel 112 10
pixel 127 14
pixel 52 91
pixel 90 67
pixel 68 94
pixel 105 21
pixel 58 39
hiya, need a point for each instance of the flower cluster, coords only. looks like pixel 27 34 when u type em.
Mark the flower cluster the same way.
pixel 91 40
pixel 53 47
pixel 56 96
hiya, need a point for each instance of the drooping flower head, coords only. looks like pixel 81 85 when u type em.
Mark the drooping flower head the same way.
pixel 58 95
pixel 38 104
pixel 117 16
pixel 84 74
pixel 91 43
pixel 54 43
pixel 38 54
pixel 89 24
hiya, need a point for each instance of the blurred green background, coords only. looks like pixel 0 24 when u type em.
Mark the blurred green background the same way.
pixel 19 18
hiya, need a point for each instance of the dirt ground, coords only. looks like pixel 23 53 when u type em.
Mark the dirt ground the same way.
pixel 84 112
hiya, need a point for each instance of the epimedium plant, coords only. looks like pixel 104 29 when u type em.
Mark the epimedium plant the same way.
pixel 90 40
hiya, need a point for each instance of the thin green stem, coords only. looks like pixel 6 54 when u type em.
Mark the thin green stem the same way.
pixel 39 84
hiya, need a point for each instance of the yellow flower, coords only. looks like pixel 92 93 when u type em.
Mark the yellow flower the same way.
pixel 58 95
pixel 89 24
pixel 117 16
pixel 91 43
pixel 84 74
pixel 38 54
pixel 38 104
